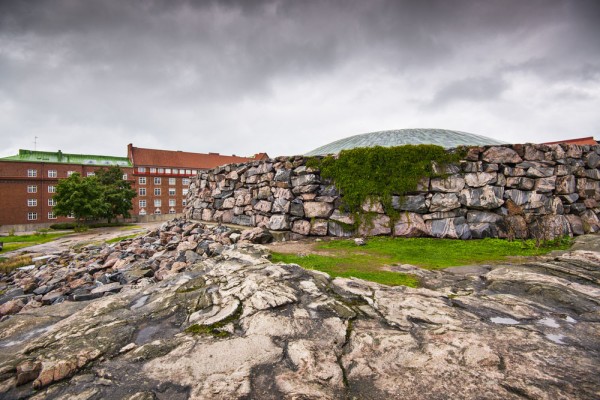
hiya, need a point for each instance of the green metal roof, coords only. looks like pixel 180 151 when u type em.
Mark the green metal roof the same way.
pixel 441 137
pixel 65 158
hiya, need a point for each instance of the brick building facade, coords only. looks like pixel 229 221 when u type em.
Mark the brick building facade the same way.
pixel 161 178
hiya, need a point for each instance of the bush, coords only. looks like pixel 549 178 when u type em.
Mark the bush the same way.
pixel 63 226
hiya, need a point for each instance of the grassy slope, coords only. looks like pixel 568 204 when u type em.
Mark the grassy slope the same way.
pixel 366 262
pixel 16 242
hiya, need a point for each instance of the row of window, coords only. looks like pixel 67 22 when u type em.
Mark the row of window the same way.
pixel 34 202
pixel 175 171
pixel 33 189
pixel 158 212
pixel 52 173
pixel 32 216
pixel 158 191
pixel 158 203
pixel 158 181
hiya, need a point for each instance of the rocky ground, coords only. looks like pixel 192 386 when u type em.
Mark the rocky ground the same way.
pixel 192 312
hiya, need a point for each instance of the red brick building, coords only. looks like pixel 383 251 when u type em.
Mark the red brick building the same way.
pixel 161 178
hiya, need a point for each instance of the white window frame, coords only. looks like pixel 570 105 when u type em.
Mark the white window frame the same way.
pixel 71 216
pixel 172 192
pixel 142 203
pixel 157 180
pixel 141 169
pixel 157 191
pixel 142 212
pixel 51 215
pixel 161 170
pixel 51 202
pixel 52 173
pixel 124 177
pixel 69 173
pixel 31 202
pixel 91 174
pixel 167 170
pixel 172 181
pixel 142 180
pixel 157 212
pixel 142 191
pixel 152 170
pixel 185 191
pixel 31 188
pixel 172 202
pixel 51 189
pixel 184 202
pixel 32 173
pixel 157 203
pixel 32 216
pixel 186 181
pixel 172 211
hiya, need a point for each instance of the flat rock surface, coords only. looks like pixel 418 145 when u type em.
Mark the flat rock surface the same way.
pixel 234 325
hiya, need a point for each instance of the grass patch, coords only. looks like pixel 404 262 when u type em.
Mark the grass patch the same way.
pixel 8 264
pixel 349 265
pixel 120 238
pixel 216 328
pixel 367 262
pixel 16 242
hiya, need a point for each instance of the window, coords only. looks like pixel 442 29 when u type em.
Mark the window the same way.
pixel 157 203
pixel 51 189
pixel 161 170
pixel 168 170
pixel 142 203
pixel 171 191
pixel 157 191
pixel 51 202
pixel 142 212
pixel 194 172
pixel 69 173
pixel 182 172
pixel 71 216
pixel 32 173
pixel 51 215
pixel 184 202
pixel 142 191
pixel 172 211
pixel 52 173
pixel 32 202
pixel 152 170
pixel 185 191
pixel 142 180
pixel 157 211
pixel 175 171
pixel 185 181
pixel 172 181
pixel 141 169
pixel 171 202
pixel 124 177
pixel 157 181
pixel 31 189
pixel 31 216
pixel 91 174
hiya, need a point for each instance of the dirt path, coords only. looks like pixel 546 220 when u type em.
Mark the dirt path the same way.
pixel 93 235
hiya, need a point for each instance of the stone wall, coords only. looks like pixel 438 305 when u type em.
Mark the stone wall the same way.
pixel 522 190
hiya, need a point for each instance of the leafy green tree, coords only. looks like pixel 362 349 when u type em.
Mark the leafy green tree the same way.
pixel 117 193
pixel 80 197
pixel 105 195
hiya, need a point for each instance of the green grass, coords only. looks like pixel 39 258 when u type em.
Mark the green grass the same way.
pixel 16 242
pixel 118 239
pixel 366 262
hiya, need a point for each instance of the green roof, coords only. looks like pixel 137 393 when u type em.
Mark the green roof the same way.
pixel 65 158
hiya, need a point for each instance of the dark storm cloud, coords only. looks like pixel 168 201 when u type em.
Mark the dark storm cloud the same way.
pixel 262 72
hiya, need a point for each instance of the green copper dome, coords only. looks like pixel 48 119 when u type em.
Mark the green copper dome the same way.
pixel 440 137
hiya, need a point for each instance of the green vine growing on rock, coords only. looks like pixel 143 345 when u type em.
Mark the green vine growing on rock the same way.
pixel 378 173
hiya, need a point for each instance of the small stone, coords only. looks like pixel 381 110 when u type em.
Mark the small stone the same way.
pixel 360 241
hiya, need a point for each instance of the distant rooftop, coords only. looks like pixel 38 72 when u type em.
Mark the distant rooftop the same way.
pixel 66 158
pixel 399 137
pixel 580 141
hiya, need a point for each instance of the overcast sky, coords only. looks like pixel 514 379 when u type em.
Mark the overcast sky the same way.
pixel 284 77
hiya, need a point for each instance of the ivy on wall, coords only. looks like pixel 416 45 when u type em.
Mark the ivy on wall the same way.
pixel 377 173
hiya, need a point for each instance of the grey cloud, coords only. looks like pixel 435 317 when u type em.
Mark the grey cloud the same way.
pixel 470 89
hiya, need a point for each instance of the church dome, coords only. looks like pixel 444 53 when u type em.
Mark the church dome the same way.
pixel 399 137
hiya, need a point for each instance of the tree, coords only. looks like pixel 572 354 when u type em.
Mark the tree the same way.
pixel 105 195
pixel 80 197
pixel 117 193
